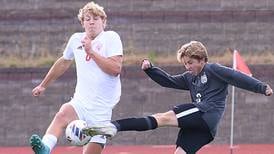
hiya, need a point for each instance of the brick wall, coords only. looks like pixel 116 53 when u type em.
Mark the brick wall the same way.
pixel 30 27
pixel 21 114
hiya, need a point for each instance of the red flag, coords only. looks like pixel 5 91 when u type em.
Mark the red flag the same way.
pixel 239 64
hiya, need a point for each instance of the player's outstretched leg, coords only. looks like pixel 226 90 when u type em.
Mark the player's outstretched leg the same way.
pixel 109 130
pixel 38 146
pixel 128 124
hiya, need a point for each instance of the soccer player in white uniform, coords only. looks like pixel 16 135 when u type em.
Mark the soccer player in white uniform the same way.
pixel 98 57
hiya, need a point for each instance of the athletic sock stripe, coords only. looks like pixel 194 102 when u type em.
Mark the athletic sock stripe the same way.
pixel 187 112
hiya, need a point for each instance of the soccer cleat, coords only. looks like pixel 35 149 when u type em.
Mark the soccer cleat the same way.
pixel 108 130
pixel 38 146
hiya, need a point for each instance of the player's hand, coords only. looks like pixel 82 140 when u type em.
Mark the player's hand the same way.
pixel 38 90
pixel 146 64
pixel 86 43
pixel 268 91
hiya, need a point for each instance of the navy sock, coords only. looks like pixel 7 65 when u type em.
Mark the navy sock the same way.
pixel 136 124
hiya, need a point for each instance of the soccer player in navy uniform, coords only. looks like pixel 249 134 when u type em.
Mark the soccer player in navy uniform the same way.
pixel 208 85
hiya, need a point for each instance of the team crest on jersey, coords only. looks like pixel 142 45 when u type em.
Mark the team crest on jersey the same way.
pixel 204 78
pixel 97 46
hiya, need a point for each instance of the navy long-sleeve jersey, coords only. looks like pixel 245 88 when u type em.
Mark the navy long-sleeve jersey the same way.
pixel 209 88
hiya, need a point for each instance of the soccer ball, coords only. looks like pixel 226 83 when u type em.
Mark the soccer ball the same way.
pixel 74 133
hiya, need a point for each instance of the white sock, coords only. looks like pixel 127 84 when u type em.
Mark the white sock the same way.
pixel 50 141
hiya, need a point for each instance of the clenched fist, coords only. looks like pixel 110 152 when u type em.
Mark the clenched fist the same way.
pixel 38 90
pixel 268 91
pixel 146 64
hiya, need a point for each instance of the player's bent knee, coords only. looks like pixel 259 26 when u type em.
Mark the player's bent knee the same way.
pixel 60 116
pixel 65 114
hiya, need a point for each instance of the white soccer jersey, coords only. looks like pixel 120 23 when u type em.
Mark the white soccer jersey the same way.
pixel 95 88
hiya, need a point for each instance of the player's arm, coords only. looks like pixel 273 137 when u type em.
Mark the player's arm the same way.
pixel 163 78
pixel 240 80
pixel 57 69
pixel 110 65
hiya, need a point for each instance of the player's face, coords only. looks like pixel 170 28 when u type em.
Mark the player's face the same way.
pixel 194 66
pixel 93 25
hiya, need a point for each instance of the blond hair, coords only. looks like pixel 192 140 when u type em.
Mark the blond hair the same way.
pixel 193 49
pixel 92 8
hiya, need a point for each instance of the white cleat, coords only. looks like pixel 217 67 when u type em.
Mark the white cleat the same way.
pixel 108 130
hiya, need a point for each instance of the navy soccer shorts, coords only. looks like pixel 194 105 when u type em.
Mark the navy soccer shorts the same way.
pixel 194 132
